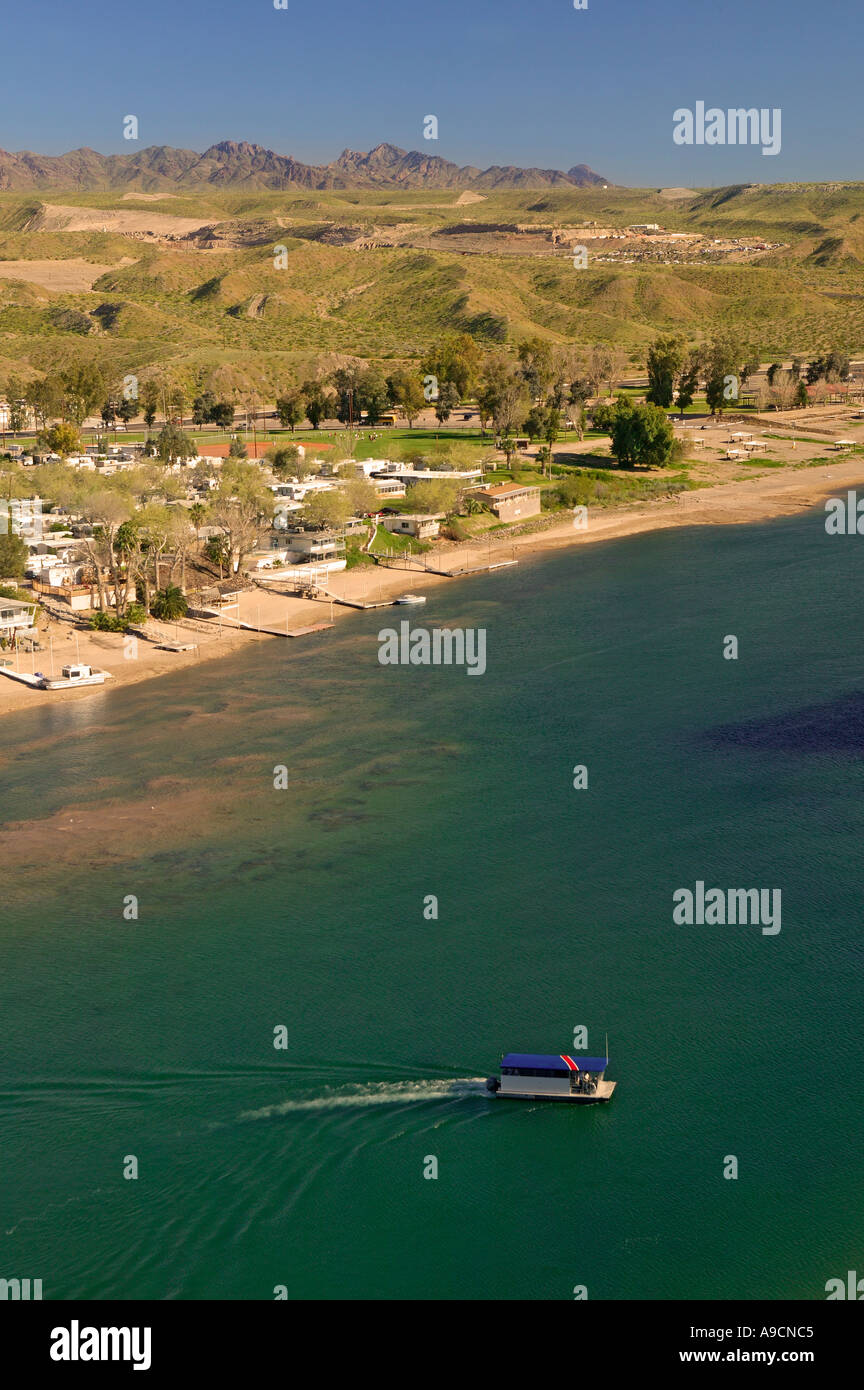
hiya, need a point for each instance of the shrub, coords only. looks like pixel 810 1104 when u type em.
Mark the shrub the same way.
pixel 106 622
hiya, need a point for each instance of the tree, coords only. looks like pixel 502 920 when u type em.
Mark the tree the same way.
pixel 551 431
pixel 535 422
pixel 457 359
pixel 222 415
pixel 16 392
pixel 641 434
pixel 201 408
pixel 284 460
pixel 240 507
pixel 801 397
pixel 406 393
pixel 448 399
pixel 510 409
pixel 13 556
pixel 346 384
pixel 783 390
pixel 538 367
pixel 721 374
pixel 44 396
pixel 83 387
pixel 127 409
pixel 218 551
pixel 374 396
pixel 177 402
pixel 61 439
pixel 317 401
pixel 173 445
pixel 429 498
pixel 149 402
pixel 169 604
pixel 688 380
pixel 502 395
pixel 107 511
pixel 580 392
pixel 665 360
pixel 615 364
pixel 834 366
pixel 751 366
pixel 289 408
pixel 237 447
pixel 327 509
pixel 596 367
pixel 109 412
pixel 362 496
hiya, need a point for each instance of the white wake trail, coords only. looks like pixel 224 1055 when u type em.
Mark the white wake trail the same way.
pixel 374 1093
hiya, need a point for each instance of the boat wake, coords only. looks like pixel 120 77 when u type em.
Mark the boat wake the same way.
pixel 374 1093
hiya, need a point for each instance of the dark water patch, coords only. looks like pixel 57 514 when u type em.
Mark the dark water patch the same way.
pixel 836 726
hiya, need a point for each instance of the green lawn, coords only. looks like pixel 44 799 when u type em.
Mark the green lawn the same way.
pixel 400 545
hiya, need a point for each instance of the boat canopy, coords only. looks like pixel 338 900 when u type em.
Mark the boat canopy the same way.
pixel 562 1063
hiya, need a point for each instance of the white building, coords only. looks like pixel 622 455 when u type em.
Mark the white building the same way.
pixel 16 616
pixel 420 527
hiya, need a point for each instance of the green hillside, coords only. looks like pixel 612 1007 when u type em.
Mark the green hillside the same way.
pixel 361 278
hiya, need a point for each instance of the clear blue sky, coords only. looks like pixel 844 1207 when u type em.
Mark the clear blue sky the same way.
pixel 511 81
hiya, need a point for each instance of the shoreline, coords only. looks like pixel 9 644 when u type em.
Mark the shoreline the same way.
pixel 784 492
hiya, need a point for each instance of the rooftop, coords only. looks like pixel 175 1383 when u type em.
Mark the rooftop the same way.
pixel 508 489
pixel 544 1062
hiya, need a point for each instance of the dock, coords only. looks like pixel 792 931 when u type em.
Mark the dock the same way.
pixel 310 627
pixel 448 574
pixel 35 682
pixel 319 594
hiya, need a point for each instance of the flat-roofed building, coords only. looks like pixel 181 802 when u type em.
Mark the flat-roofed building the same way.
pixel 511 501
pixel 416 525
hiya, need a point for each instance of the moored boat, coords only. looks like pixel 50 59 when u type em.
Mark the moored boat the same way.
pixel 74 675
pixel 541 1076
pixel 411 598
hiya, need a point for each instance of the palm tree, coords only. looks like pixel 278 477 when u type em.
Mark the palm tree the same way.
pixel 169 604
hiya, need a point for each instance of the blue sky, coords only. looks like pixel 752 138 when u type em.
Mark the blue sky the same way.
pixel 511 81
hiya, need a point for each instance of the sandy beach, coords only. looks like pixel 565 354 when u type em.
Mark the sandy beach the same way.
pixel 779 493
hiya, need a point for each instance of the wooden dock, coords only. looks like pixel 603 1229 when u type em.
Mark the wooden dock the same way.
pixel 310 627
pixel 411 568
pixel 316 593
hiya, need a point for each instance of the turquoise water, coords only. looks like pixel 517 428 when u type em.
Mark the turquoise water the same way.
pixel 303 908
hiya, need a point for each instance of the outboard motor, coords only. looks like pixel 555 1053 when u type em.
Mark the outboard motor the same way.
pixel 493 1084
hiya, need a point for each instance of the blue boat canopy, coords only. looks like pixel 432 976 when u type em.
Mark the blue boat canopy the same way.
pixel 563 1063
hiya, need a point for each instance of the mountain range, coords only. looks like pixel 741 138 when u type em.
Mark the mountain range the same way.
pixel 238 164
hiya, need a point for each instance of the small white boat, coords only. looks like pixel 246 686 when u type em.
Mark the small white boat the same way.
pixel 74 675
pixel 411 598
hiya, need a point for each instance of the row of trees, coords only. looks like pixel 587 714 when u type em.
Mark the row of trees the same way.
pixel 725 365
pixel 533 390
pixel 81 390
